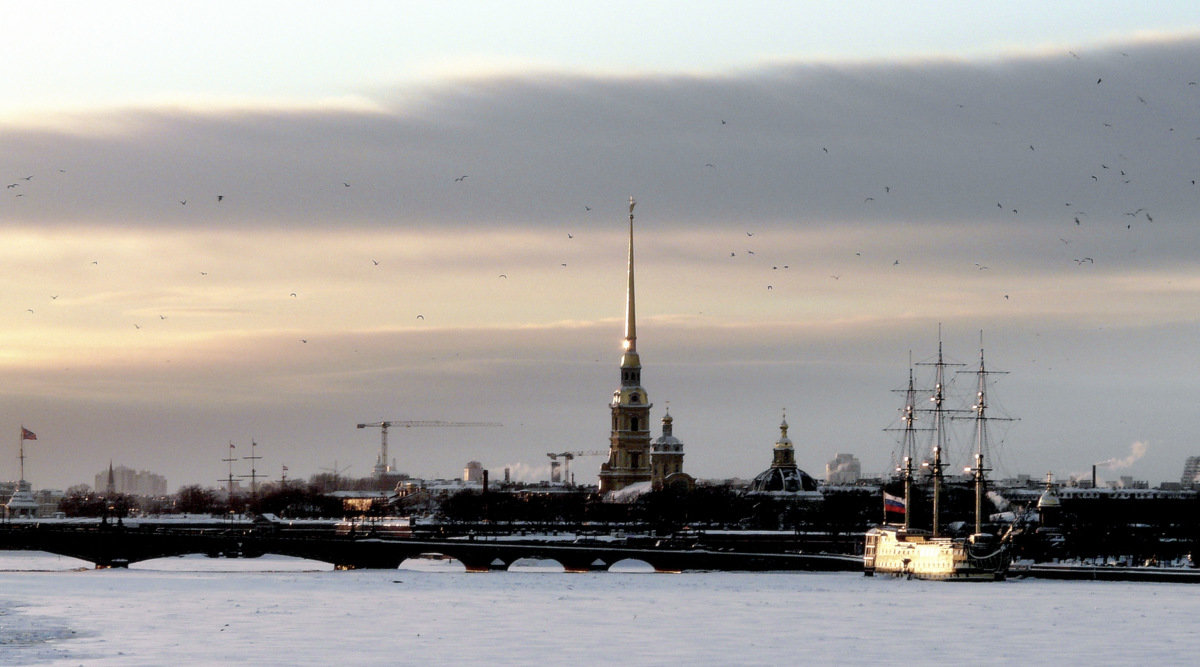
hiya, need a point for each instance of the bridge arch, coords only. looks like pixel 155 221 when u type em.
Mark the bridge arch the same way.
pixel 432 562
pixel 631 565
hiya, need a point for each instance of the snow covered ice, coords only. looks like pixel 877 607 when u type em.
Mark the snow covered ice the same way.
pixel 283 611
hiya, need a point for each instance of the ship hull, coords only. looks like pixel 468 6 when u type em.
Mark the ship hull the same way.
pixel 918 555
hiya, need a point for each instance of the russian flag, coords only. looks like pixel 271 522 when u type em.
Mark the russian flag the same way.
pixel 892 503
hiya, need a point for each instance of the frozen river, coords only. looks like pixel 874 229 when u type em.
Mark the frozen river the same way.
pixel 279 611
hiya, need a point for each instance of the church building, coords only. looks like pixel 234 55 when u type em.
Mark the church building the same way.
pixel 629 444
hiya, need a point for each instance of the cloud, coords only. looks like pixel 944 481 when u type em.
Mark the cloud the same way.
pixel 848 210
pixel 791 146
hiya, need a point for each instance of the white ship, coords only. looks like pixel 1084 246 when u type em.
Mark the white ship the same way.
pixel 899 549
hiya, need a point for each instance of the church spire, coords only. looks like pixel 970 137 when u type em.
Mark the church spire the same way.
pixel 629 444
pixel 631 358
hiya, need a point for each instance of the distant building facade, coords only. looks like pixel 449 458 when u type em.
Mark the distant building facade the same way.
pixel 131 482
pixel 1191 472
pixel 473 472
pixel 843 469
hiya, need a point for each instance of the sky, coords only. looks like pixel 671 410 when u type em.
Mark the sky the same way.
pixel 268 222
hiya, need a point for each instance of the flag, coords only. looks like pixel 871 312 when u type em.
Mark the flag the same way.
pixel 893 503
pixel 26 434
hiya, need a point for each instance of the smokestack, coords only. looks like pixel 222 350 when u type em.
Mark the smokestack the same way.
pixel 1093 475
pixel 485 480
pixel 506 478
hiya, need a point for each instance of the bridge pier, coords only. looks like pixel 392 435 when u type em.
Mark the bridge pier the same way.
pixel 584 563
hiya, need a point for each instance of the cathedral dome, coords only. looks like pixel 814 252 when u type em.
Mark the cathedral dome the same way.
pixel 783 476
pixel 786 480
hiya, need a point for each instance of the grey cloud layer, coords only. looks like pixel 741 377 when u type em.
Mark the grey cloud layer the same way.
pixel 805 145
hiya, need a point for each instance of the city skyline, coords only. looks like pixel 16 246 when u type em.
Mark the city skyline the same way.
pixel 240 249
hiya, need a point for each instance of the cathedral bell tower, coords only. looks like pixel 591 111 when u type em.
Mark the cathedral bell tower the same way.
pixel 629 445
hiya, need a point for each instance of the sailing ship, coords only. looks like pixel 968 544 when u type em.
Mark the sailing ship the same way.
pixel 902 550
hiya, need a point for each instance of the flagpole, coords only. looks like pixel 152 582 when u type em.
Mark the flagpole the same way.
pixel 21 455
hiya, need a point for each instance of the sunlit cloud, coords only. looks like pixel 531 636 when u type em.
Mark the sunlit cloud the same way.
pixel 457 250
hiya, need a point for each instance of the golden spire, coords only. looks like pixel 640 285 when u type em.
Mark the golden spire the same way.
pixel 630 326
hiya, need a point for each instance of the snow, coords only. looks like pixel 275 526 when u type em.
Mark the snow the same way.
pixel 628 493
pixel 282 611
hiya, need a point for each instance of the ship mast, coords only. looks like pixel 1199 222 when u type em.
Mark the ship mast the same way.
pixel 908 448
pixel 981 436
pixel 939 433
pixel 939 442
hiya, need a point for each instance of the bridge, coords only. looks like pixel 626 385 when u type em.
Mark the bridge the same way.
pixel 107 545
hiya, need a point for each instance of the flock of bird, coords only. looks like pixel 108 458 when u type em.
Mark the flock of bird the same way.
pixel 758 250
pixel 1100 176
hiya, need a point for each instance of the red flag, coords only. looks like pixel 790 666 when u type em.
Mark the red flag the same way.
pixel 26 434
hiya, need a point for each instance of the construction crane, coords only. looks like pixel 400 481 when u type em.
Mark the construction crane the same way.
pixel 381 467
pixel 567 457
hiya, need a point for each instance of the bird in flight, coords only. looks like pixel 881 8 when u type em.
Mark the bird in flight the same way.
pixel 504 275
pixel 461 178
pixel 293 295
pixel 375 262
pixel 183 202
pixel 420 317
pixel 303 340
pixel 220 197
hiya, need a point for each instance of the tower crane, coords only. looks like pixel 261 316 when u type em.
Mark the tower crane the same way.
pixel 381 467
pixel 567 457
